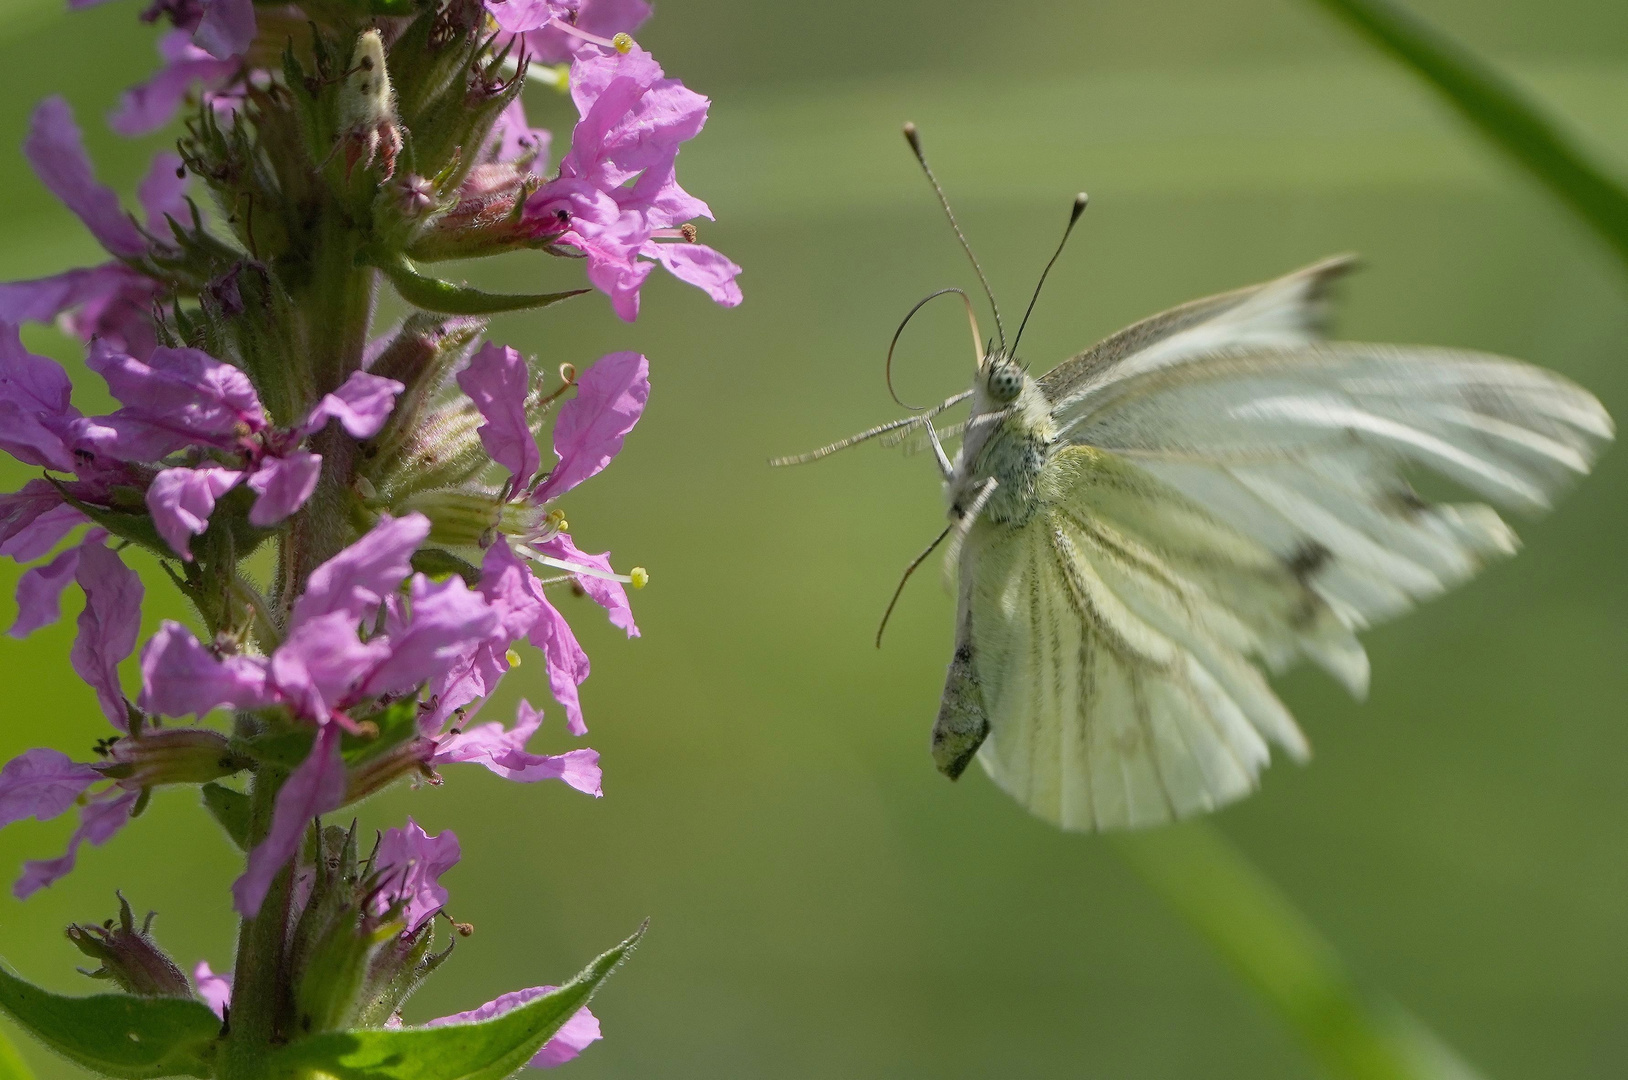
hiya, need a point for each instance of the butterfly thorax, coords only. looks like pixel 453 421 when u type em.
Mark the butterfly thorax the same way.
pixel 1008 438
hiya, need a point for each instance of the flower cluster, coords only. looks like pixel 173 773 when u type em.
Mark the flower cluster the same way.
pixel 420 537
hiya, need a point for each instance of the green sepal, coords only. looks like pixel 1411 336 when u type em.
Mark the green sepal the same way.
pixel 433 294
pixel 118 1035
pixel 231 810
pixel 397 722
pixel 485 1050
pixel 440 565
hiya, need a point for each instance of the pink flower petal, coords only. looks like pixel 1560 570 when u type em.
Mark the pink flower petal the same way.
pixel 591 426
pixel 98 821
pixel 34 519
pixel 149 106
pixel 283 485
pixel 313 789
pixel 216 990
pixel 41 784
pixel 497 380
pixel 56 150
pixel 701 266
pixel 357 580
pixel 180 677
pixel 361 405
pixel 107 626
pixel 409 866
pixel 227 29
pixel 39 593
pixel 608 594
pixel 181 501
pixel 503 751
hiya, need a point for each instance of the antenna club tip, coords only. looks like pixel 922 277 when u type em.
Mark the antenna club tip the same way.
pixel 912 137
pixel 1082 200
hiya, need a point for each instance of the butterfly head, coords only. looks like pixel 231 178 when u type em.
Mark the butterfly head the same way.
pixel 1003 378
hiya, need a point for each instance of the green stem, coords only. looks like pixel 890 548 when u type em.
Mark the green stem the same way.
pixel 1498 108
pixel 1273 947
pixel 259 987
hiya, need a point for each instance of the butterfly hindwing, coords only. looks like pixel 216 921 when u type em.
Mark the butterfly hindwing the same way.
pixel 1112 646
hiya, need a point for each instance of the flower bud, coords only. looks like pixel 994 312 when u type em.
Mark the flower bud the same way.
pixel 336 936
pixel 129 956
pixel 176 756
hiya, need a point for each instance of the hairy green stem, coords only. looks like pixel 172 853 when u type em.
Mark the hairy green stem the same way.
pixel 1272 946
pixel 259 976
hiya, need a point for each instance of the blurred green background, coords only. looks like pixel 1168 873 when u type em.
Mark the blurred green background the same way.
pixel 823 904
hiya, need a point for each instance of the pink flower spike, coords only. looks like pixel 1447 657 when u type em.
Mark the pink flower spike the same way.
pixel 227 28
pixel 98 821
pixel 39 593
pixel 180 677
pixel 322 661
pixel 181 501
pixel 107 626
pixel 315 788
pixel 357 580
pixel 283 484
pixel 145 108
pixel 56 150
pixel 41 784
pixel 497 380
pixel 591 426
pixel 216 990
pixel 409 866
pixel 573 1037
pixel 361 405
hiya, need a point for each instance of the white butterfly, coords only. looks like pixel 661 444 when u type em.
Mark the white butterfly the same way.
pixel 1211 489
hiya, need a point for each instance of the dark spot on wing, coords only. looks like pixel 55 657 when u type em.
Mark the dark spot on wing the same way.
pixel 1309 558
pixel 1405 502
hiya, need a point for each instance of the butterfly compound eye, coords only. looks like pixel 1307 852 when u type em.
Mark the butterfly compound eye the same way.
pixel 1005 382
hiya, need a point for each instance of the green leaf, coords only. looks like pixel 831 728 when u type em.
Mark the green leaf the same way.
pixel 117 1035
pixel 231 809
pixel 1517 125
pixel 433 294
pixel 485 1050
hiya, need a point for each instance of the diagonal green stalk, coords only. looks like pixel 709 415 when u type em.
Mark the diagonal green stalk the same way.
pixel 1272 946
pixel 1495 106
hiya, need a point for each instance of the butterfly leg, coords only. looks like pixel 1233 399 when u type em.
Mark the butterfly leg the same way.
pixel 944 467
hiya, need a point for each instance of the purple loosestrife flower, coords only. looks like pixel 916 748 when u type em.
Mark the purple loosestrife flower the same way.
pixel 588 433
pixel 409 864
pixel 114 300
pixel 401 488
pixel 616 198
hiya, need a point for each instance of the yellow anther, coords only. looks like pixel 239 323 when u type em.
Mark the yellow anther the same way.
pixel 514 658
pixel 640 576
pixel 622 43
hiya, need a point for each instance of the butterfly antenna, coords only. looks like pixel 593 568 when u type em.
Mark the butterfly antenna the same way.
pixel 913 137
pixel 971 318
pixel 1073 216
pixel 911 569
